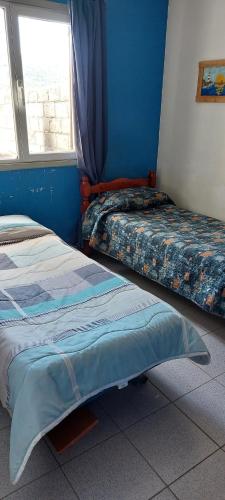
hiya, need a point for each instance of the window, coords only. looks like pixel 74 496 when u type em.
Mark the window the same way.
pixel 36 118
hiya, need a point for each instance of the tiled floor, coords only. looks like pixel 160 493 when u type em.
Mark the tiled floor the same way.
pixel 163 440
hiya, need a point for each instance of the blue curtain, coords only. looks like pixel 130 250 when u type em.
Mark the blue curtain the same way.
pixel 89 55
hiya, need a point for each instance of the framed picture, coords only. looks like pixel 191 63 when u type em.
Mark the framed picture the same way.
pixel 211 81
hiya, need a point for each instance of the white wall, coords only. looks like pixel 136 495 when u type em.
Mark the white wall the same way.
pixel 191 160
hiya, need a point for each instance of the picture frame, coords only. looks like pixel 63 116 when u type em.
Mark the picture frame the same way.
pixel 211 81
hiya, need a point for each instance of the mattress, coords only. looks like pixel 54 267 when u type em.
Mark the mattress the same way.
pixel 70 329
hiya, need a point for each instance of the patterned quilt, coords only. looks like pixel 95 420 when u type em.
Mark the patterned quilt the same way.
pixel 69 329
pixel 182 250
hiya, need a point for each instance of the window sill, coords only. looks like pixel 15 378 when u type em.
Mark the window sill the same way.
pixel 37 164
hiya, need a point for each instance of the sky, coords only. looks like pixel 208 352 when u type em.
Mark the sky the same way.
pixel 213 71
pixel 44 47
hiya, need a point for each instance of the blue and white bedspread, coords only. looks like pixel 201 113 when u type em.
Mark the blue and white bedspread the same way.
pixel 69 329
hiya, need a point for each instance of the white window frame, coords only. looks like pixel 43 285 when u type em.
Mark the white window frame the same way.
pixel 45 10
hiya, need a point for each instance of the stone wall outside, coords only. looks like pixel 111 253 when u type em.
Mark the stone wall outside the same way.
pixel 48 118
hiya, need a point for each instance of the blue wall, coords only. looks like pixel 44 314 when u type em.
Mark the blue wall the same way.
pixel 136 43
pixel 135 47
pixel 48 195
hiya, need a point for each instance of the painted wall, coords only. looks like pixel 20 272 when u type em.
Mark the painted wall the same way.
pixel 191 161
pixel 135 50
pixel 48 195
pixel 136 42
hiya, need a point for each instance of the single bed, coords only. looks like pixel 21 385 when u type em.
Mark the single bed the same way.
pixel 70 329
pixel 140 226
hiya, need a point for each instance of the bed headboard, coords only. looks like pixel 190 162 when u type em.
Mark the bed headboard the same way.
pixel 87 190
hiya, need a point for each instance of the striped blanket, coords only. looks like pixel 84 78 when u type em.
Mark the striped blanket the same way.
pixel 69 329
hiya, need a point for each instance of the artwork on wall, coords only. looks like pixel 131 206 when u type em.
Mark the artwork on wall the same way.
pixel 211 81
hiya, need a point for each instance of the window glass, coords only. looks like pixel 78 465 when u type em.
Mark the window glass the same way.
pixel 46 63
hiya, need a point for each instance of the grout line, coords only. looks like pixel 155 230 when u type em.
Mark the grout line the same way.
pixel 183 395
pixel 183 412
pixel 120 431
pixel 159 493
pixel 177 498
pixel 145 459
pixel 174 400
pixel 211 379
pixel 133 446
pixel 142 418
pixel 218 381
pixel 123 431
pixel 197 425
pixel 192 468
pixel 69 482
pixel 30 482
pixel 88 449
pixel 214 376
pixel 60 467
pixel 127 438
pixel 179 477
pixel 164 489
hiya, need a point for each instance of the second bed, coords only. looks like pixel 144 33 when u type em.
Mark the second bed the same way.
pixel 180 249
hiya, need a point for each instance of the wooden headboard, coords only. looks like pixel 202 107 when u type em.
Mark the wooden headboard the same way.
pixel 87 190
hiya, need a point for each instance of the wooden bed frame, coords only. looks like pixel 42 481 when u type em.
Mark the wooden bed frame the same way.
pixel 87 190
